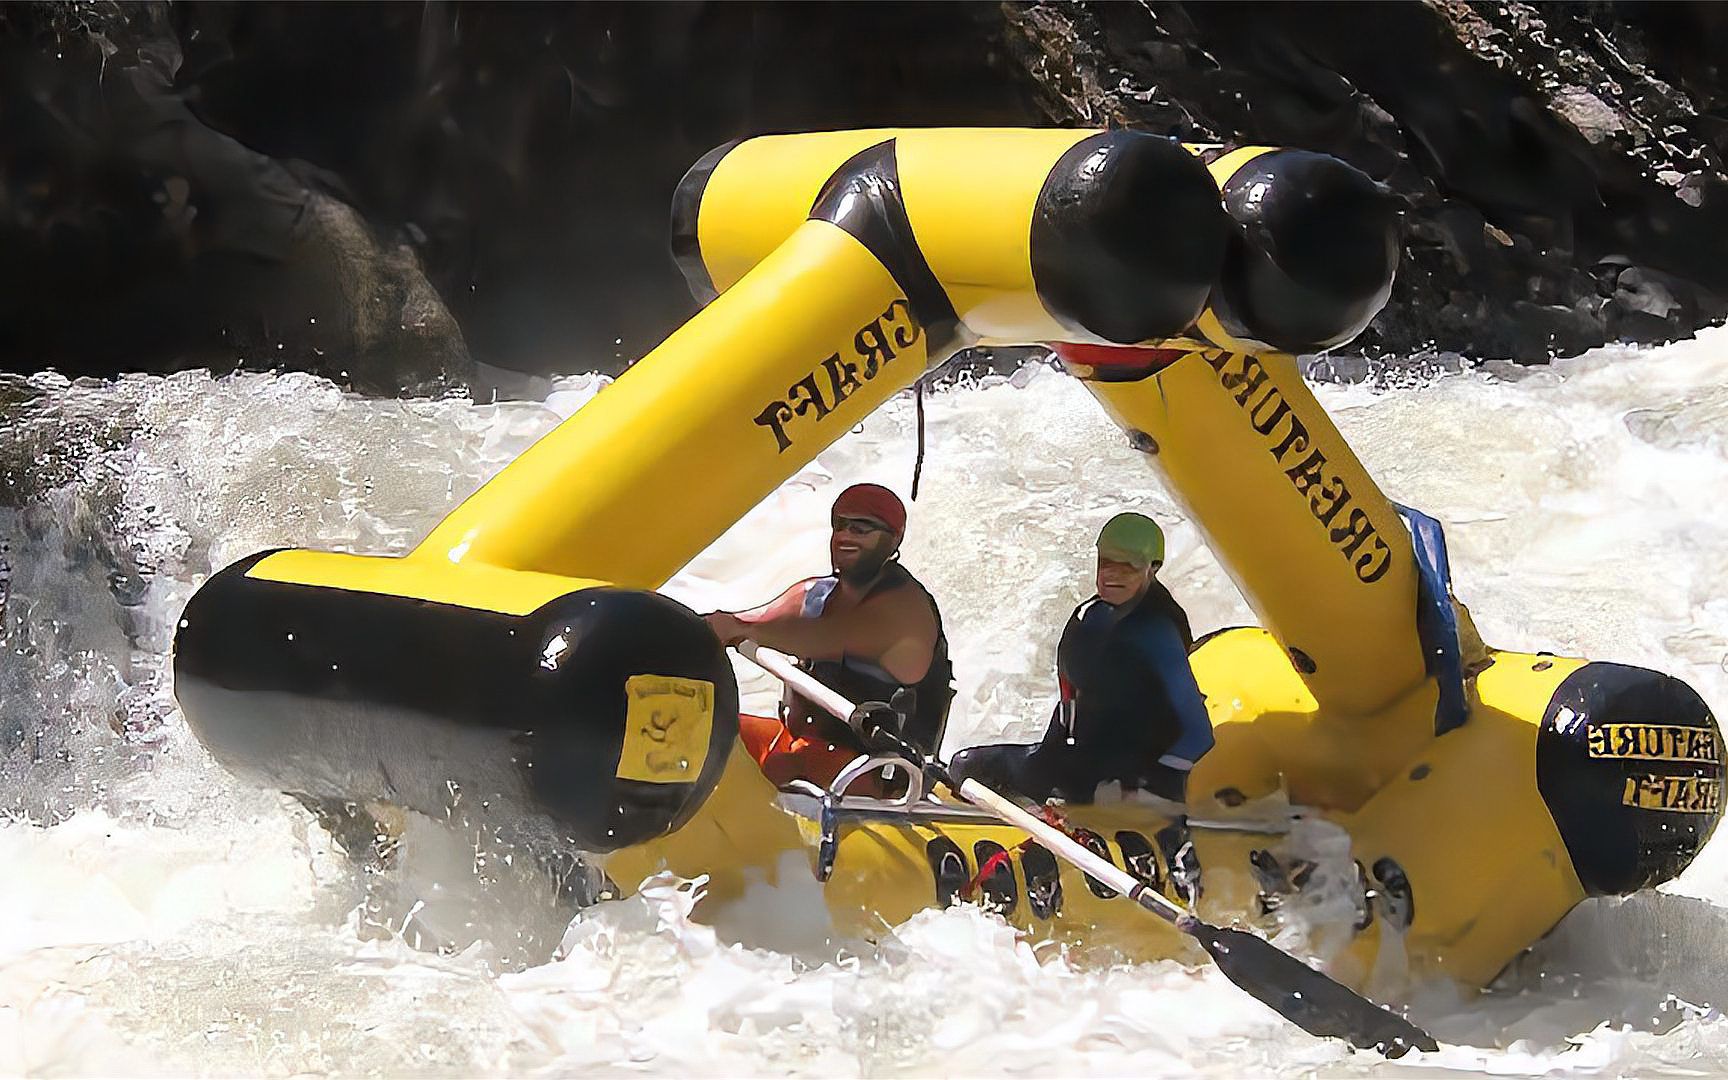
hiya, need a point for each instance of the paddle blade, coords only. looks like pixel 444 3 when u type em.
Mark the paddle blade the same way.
pixel 1307 998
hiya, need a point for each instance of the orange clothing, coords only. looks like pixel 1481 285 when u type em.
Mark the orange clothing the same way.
pixel 785 756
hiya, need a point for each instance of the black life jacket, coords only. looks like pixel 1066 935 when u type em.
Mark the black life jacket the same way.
pixel 1080 652
pixel 859 680
pixel 1092 622
pixel 1093 739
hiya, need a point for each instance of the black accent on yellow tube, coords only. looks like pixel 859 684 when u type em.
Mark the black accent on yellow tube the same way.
pixel 532 719
pixel 1000 893
pixel 1127 237
pixel 1096 845
pixel 863 197
pixel 1138 859
pixel 1313 256
pixel 948 868
pixel 1629 762
pixel 686 210
pixel 1043 881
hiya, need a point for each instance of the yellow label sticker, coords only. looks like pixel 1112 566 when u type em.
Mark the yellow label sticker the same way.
pixel 1682 794
pixel 667 724
pixel 1654 742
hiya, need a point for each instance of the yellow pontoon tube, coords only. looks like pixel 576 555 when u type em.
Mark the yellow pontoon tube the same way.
pixel 519 656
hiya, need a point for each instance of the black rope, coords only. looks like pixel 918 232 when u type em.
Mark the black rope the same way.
pixel 918 465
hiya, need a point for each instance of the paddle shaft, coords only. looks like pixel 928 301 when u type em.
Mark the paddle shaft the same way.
pixel 1103 870
pixel 796 677
pixel 1315 1002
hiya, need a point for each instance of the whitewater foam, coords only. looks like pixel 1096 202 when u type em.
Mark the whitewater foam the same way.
pixel 160 918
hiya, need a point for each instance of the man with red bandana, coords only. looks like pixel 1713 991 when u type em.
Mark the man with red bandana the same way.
pixel 868 630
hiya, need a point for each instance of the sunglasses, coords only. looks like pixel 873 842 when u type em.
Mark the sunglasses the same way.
pixel 857 526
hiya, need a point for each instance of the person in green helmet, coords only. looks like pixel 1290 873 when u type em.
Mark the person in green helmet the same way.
pixel 1130 711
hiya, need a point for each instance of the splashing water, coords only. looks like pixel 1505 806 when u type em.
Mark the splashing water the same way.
pixel 158 917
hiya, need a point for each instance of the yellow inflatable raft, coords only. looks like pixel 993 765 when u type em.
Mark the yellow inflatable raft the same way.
pixel 519 654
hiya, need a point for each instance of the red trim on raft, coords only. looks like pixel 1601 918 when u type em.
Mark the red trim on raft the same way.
pixel 1117 356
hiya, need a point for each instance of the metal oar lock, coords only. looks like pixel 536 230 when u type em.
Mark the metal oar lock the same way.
pixel 1308 998
pixel 867 720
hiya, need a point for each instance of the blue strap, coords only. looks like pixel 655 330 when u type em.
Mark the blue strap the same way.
pixel 1436 622
pixel 816 597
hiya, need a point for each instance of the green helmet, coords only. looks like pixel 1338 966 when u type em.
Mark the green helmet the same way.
pixel 1132 538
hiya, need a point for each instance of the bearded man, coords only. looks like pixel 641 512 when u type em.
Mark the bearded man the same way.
pixel 869 630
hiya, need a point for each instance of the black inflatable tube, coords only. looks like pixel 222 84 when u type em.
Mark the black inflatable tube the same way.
pixel 359 696
pixel 1629 762
pixel 686 212
pixel 863 197
pixel 1313 254
pixel 1127 237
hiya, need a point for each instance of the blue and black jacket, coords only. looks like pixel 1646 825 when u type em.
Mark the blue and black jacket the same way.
pixel 1128 695
pixel 1130 711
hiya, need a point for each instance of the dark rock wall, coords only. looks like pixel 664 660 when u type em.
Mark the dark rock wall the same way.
pixel 530 151
pixel 133 236
pixel 519 158
pixel 1559 192
pixel 382 191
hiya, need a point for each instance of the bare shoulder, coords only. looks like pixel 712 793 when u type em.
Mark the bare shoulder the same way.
pixel 908 608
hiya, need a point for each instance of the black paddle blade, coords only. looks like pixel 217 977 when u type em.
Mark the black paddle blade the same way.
pixel 1307 998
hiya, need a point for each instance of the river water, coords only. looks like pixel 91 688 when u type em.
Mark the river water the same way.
pixel 159 918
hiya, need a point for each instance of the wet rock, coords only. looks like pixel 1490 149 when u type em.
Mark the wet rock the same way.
pixel 133 236
pixel 1336 368
pixel 528 153
pixel 384 327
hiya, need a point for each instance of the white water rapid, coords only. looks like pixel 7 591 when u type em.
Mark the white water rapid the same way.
pixel 157 917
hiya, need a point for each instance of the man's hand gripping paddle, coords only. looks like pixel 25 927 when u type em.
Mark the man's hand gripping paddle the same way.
pixel 1311 1000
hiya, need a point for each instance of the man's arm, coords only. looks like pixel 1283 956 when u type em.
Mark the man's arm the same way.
pixel 888 630
pixel 732 626
pixel 1062 721
pixel 788 605
pixel 1161 648
pixel 1144 701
